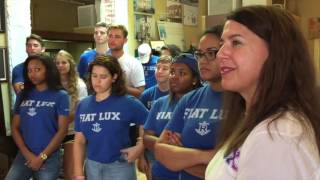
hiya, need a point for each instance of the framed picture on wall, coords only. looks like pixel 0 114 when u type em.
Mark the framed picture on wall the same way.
pixel 174 11
pixel 144 6
pixel 3 65
pixel 2 16
pixel 144 27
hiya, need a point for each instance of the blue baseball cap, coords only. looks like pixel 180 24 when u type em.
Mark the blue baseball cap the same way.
pixel 189 60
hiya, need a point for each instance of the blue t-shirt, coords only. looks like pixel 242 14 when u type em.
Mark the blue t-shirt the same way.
pixel 149 70
pixel 197 118
pixel 106 125
pixel 39 117
pixel 151 94
pixel 159 115
pixel 17 73
pixel 85 59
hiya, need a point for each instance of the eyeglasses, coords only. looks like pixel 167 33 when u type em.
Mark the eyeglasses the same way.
pixel 210 55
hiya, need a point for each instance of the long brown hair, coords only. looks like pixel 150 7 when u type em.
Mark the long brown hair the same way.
pixel 73 77
pixel 286 82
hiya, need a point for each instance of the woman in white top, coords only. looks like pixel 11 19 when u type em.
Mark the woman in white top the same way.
pixel 77 90
pixel 272 129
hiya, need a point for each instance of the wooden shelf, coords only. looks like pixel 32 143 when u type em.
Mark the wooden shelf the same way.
pixel 64 36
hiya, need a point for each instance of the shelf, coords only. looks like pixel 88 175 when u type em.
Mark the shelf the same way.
pixel 64 36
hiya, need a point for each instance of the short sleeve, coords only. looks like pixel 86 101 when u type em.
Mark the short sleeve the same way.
pixel 177 122
pixel 150 123
pixel 63 104
pixel 17 74
pixel 138 111
pixel 137 77
pixel 144 98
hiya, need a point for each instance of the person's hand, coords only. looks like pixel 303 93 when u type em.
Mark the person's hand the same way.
pixel 175 139
pixel 165 137
pixel 35 163
pixel 132 153
pixel 170 137
pixel 18 87
pixel 143 164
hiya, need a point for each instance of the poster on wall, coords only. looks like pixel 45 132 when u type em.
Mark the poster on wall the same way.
pixel 108 11
pixel 144 27
pixel 144 6
pixel 190 15
pixel 3 65
pixel 314 27
pixel 174 11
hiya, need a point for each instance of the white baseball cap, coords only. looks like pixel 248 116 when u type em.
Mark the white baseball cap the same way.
pixel 144 51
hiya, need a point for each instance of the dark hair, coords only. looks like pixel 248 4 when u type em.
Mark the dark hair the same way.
pixel 121 27
pixel 215 30
pixel 288 68
pixel 173 49
pixel 112 65
pixel 52 74
pixel 35 37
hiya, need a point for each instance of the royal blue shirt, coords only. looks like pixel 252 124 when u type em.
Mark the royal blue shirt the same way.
pixel 39 117
pixel 150 95
pixel 85 59
pixel 17 73
pixel 149 70
pixel 106 124
pixel 197 118
pixel 159 115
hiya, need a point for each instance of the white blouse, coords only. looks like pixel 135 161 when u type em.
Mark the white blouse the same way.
pixel 285 152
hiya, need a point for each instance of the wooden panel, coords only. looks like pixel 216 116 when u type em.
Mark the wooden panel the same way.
pixel 65 36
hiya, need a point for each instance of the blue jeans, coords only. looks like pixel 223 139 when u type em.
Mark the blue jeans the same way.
pixel 113 171
pixel 49 170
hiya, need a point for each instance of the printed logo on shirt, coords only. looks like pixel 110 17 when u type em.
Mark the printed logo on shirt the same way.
pixel 102 116
pixel 198 113
pixel 96 127
pixel 164 115
pixel 203 128
pixel 32 112
pixel 29 103
pixel 233 160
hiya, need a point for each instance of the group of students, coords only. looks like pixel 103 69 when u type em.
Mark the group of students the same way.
pixel 244 106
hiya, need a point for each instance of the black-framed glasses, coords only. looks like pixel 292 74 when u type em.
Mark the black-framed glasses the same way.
pixel 210 54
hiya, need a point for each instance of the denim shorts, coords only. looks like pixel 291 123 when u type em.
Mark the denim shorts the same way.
pixel 49 170
pixel 117 170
